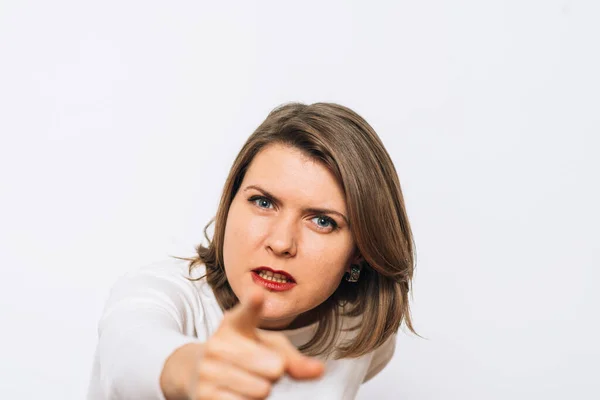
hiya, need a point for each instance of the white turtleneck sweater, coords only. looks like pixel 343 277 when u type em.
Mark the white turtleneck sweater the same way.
pixel 154 310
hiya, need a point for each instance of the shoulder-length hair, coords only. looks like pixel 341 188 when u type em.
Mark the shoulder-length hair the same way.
pixel 347 145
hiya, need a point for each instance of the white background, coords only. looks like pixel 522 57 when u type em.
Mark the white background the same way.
pixel 119 121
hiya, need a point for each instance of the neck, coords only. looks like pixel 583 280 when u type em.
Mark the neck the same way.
pixel 297 322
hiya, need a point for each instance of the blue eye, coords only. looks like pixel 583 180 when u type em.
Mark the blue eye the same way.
pixel 324 222
pixel 261 202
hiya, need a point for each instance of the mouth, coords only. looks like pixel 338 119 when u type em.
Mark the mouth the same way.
pixel 273 280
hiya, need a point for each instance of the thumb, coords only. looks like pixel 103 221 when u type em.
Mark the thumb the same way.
pixel 245 316
pixel 297 365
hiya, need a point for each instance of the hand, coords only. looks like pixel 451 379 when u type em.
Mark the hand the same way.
pixel 240 362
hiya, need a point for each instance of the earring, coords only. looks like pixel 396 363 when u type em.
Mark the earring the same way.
pixel 354 273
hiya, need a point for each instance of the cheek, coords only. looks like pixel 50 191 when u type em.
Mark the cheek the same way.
pixel 234 232
pixel 330 259
pixel 242 230
pixel 243 235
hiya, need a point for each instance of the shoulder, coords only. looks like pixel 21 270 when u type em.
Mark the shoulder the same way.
pixel 165 291
pixel 381 357
pixel 378 357
pixel 168 284
pixel 167 267
pixel 167 273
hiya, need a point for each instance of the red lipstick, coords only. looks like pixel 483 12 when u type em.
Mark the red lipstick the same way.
pixel 266 281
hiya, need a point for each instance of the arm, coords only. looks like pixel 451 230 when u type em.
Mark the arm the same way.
pixel 237 361
pixel 149 314
pixel 179 366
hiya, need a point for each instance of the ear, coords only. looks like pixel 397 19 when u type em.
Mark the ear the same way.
pixel 357 258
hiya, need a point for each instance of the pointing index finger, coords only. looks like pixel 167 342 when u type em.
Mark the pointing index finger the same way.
pixel 245 316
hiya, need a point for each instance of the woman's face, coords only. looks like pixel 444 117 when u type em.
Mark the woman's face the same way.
pixel 288 215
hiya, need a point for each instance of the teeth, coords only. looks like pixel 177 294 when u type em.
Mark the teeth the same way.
pixel 270 276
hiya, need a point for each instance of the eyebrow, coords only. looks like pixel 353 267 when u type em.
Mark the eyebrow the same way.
pixel 307 210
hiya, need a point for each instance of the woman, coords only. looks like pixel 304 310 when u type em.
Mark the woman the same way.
pixel 299 293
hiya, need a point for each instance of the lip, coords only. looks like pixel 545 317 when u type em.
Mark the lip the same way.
pixel 270 285
pixel 288 276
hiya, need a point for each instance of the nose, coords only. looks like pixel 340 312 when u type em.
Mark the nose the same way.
pixel 282 237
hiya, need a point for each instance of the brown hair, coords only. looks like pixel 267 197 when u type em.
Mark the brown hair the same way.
pixel 346 144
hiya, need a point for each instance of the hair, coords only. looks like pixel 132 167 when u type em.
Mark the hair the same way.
pixel 347 145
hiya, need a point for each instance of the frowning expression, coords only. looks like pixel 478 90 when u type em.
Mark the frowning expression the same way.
pixel 288 215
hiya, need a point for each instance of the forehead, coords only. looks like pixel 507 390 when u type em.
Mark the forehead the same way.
pixel 291 175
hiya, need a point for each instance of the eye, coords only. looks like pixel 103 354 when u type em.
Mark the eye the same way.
pixel 325 223
pixel 261 202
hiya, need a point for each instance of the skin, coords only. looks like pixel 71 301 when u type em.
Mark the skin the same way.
pixel 284 232
pixel 246 356
pixel 238 361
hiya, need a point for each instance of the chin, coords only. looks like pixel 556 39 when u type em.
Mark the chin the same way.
pixel 274 313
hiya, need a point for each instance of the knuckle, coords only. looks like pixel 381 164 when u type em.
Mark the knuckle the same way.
pixel 204 371
pixel 205 392
pixel 277 367
pixel 277 338
pixel 281 338
pixel 263 389
pixel 228 317
pixel 212 347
